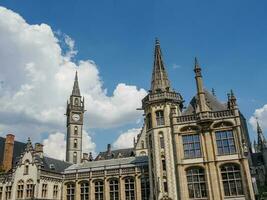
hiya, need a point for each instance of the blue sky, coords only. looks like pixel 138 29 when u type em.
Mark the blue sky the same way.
pixel 229 38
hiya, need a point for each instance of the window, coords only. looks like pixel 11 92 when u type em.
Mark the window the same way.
pixel 161 141
pixel 55 191
pixel 76 130
pixel 225 142
pixel 8 192
pixel 76 101
pixel 74 157
pixel 1 192
pixel 75 143
pixel 160 118
pixel 129 189
pixel 143 144
pixel 20 189
pixel 99 189
pixel 114 189
pixel 196 183
pixel 145 191
pixel 26 167
pixel 231 178
pixel 165 185
pixel 163 162
pixel 29 189
pixel 84 191
pixel 148 121
pixel 44 190
pixel 70 191
pixel 191 144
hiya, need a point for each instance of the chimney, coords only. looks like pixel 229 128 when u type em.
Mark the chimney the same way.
pixel 91 157
pixel 109 149
pixel 8 152
pixel 85 157
pixel 38 148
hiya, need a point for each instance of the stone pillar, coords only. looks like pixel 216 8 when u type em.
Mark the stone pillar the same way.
pixel 8 152
pixel 77 190
pixel 138 192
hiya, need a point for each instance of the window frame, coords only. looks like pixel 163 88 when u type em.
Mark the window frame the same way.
pixel 99 190
pixel 20 189
pixel 84 190
pixel 221 140
pixel 129 184
pixel 114 189
pixel 191 147
pixel 70 191
pixel 160 119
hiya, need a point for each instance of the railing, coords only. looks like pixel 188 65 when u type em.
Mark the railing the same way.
pixel 205 115
pixel 163 95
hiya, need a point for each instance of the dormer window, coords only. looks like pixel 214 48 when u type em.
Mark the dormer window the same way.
pixel 52 166
pixel 26 167
pixel 160 118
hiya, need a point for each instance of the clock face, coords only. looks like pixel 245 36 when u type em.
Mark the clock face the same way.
pixel 75 117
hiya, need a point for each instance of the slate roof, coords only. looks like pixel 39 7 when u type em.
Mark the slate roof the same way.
pixel 58 165
pixel 19 147
pixel 119 153
pixel 213 103
pixel 109 164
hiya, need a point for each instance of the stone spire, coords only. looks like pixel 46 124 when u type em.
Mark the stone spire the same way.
pixel 76 89
pixel 160 81
pixel 261 138
pixel 200 89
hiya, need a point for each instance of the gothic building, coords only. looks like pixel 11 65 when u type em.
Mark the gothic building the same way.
pixel 201 151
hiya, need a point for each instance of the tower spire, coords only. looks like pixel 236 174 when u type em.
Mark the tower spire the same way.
pixel 200 90
pixel 76 89
pixel 261 138
pixel 160 81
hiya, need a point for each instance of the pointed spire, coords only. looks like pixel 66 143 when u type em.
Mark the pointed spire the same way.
pixel 261 138
pixel 160 81
pixel 200 88
pixel 76 89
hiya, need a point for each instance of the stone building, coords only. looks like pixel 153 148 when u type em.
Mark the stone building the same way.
pixel 201 151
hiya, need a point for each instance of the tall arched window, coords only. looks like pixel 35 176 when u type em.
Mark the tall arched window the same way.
pixel 74 157
pixel 232 181
pixel 75 143
pixel 8 192
pixel 20 189
pixel 76 130
pixel 114 189
pixel 196 183
pixel 145 191
pixel 143 144
pixel 84 190
pixel 99 190
pixel 161 140
pixel 70 191
pixel 76 101
pixel 29 189
pixel 26 167
pixel 160 118
pixel 148 121
pixel 165 185
pixel 129 188
pixel 163 163
pixel 55 191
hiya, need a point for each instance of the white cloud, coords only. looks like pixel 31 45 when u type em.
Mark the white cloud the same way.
pixel 36 80
pixel 176 66
pixel 125 140
pixel 56 142
pixel 260 114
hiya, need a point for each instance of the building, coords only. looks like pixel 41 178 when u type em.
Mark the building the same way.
pixel 201 151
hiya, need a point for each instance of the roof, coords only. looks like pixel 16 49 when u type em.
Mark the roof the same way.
pixel 110 164
pixel 18 150
pixel 119 153
pixel 212 102
pixel 257 159
pixel 53 165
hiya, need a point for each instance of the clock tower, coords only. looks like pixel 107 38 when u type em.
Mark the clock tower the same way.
pixel 74 113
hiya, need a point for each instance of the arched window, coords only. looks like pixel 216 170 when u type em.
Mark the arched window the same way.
pixel 20 189
pixel 163 163
pixel 231 178
pixel 76 101
pixel 161 140
pixel 75 130
pixel 70 191
pixel 74 157
pixel 145 191
pixel 143 144
pixel 191 144
pixel 55 191
pixel 148 121
pixel 26 167
pixel 225 142
pixel 29 189
pixel 8 192
pixel 84 191
pixel 196 183
pixel 160 118
pixel 142 153
pixel 114 189
pixel 44 190
pixel 75 143
pixel 129 189
pixel 99 190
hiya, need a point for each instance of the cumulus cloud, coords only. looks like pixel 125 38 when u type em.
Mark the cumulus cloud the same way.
pixel 36 78
pixel 125 140
pixel 56 142
pixel 260 114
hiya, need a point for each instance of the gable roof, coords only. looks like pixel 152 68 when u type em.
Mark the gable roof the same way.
pixel 212 102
